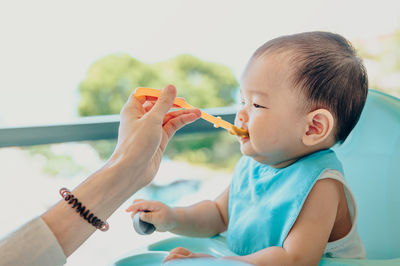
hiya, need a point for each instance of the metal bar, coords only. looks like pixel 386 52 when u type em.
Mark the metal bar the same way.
pixel 92 128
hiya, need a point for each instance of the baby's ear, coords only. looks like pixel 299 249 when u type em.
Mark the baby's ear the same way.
pixel 319 127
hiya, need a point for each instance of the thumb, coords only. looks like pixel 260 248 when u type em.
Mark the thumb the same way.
pixel 164 102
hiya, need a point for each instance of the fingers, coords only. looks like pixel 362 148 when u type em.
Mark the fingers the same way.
pixel 174 114
pixel 134 104
pixel 141 205
pixel 178 253
pixel 150 210
pixel 164 103
pixel 154 217
pixel 147 106
pixel 176 120
pixel 181 251
pixel 141 99
pixel 170 257
pixel 143 104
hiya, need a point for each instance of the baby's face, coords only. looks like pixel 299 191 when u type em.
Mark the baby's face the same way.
pixel 273 112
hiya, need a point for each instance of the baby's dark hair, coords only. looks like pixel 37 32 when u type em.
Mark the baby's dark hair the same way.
pixel 328 72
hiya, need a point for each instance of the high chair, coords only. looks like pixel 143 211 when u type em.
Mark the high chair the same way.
pixel 371 161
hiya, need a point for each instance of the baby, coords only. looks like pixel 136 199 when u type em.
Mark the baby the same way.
pixel 288 203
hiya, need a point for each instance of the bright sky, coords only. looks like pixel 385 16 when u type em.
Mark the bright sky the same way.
pixel 46 47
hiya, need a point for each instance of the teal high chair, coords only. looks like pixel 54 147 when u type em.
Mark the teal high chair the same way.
pixel 371 161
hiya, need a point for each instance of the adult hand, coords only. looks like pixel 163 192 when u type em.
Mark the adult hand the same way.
pixel 144 132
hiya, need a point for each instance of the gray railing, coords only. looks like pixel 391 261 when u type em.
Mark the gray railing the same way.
pixel 91 128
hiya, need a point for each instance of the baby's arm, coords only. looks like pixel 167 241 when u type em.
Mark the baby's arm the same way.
pixel 309 235
pixel 206 218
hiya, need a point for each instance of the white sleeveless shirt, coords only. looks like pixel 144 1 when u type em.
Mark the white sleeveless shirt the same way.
pixel 351 245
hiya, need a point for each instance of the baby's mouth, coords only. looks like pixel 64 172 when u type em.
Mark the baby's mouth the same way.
pixel 241 132
pixel 244 139
pixel 244 136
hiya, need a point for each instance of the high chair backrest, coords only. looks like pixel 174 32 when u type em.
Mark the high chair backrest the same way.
pixel 371 161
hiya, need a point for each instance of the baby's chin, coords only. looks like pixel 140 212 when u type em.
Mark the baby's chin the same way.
pixel 246 149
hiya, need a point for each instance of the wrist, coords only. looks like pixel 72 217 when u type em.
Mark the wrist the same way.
pixel 101 193
pixel 107 188
pixel 129 170
pixel 175 223
pixel 134 164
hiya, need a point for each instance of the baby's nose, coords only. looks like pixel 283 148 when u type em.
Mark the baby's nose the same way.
pixel 241 116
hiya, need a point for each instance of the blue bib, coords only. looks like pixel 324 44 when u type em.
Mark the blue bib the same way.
pixel 264 202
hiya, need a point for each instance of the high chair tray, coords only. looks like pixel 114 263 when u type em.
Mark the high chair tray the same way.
pixel 216 246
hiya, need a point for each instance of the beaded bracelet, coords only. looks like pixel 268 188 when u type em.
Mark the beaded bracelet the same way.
pixel 90 218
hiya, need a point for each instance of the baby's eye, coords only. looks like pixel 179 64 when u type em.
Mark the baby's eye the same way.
pixel 258 106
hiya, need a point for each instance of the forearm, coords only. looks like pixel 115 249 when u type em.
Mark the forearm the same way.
pixel 275 256
pixel 268 256
pixel 200 220
pixel 102 193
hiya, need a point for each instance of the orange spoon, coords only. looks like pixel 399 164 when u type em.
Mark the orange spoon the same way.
pixel 181 102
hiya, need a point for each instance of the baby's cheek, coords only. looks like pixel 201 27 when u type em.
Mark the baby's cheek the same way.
pixel 275 141
pixel 264 136
pixel 259 130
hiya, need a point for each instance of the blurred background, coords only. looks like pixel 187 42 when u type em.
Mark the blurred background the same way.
pixel 60 60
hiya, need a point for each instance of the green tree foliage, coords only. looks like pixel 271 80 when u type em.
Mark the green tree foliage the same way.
pixel 204 84
pixel 109 82
pixel 112 79
pixel 383 56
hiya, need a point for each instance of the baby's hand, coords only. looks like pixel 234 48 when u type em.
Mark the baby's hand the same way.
pixel 183 253
pixel 158 214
